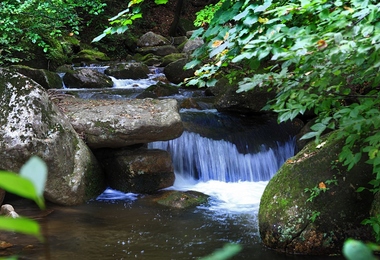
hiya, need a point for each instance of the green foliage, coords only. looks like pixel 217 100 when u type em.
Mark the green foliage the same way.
pixel 319 56
pixel 29 184
pixel 375 223
pixel 124 19
pixel 24 24
pixel 205 15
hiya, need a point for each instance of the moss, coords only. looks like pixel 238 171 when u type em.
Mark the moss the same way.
pixel 285 210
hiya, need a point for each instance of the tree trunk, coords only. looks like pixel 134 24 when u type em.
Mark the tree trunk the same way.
pixel 174 28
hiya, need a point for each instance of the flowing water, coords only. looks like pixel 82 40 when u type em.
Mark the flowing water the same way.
pixel 231 159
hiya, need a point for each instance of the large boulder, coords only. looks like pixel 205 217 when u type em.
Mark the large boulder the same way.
pixel 138 170
pixel 134 70
pixel 311 205
pixel 86 78
pixel 45 78
pixel 33 125
pixel 120 123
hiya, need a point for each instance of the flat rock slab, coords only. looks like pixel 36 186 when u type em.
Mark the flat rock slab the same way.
pixel 120 123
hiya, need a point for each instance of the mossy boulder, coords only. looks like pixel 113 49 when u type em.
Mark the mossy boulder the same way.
pixel 90 55
pixel 31 124
pixel 181 199
pixel 311 205
pixel 45 78
pixel 172 57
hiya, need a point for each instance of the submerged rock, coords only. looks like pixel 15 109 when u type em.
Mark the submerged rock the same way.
pixel 30 124
pixel 121 123
pixel 181 199
pixel 311 205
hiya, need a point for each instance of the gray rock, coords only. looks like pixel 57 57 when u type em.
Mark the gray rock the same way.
pixel 192 45
pixel 86 78
pixel 7 210
pixel 135 70
pixel 151 39
pixel 120 123
pixel 318 220
pixel 32 125
pixel 137 170
pixel 45 78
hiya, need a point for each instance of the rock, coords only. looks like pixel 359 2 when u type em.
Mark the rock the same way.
pixel 158 50
pixel 86 78
pixel 179 40
pixel 89 55
pixel 8 211
pixel 33 125
pixel 151 39
pixel 318 220
pixel 137 170
pixel 181 199
pixel 120 123
pixel 159 90
pixel 175 73
pixel 228 100
pixel 135 70
pixel 192 45
pixel 172 57
pixel 45 78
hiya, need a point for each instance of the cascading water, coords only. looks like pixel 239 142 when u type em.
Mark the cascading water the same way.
pixel 230 158
pixel 207 159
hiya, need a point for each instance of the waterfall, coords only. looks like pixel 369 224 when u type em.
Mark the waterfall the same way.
pixel 206 159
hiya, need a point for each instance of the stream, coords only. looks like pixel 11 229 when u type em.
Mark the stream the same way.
pixel 229 158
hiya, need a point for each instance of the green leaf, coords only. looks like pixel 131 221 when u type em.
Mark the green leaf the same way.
pixel 21 225
pixel 160 2
pixel 18 185
pixel 228 251
pixel 309 135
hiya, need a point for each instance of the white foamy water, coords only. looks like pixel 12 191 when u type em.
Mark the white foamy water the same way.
pixel 225 197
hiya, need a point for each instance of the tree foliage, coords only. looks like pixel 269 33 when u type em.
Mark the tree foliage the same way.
pixel 24 24
pixel 124 20
pixel 319 55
